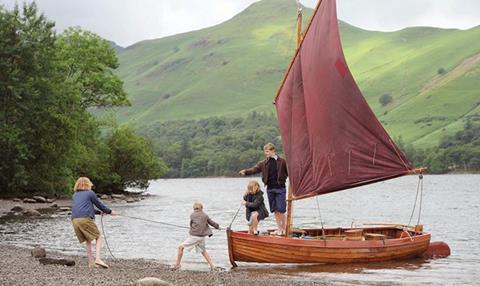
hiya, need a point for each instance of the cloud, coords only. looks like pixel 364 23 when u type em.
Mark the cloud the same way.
pixel 130 21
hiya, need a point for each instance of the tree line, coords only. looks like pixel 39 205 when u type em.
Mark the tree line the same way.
pixel 222 146
pixel 49 83
pixel 213 146
pixel 455 153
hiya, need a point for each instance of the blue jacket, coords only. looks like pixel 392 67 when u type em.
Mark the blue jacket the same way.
pixel 82 204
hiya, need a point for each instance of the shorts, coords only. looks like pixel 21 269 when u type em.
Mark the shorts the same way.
pixel 85 229
pixel 277 198
pixel 197 242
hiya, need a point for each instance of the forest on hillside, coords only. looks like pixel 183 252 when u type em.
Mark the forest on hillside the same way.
pixel 219 146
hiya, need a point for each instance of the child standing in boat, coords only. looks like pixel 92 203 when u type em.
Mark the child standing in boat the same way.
pixel 255 209
pixel 83 219
pixel 199 229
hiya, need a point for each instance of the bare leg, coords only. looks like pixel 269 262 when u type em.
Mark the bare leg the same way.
pixel 98 248
pixel 281 220
pixel 89 254
pixel 179 257
pixel 254 222
pixel 209 260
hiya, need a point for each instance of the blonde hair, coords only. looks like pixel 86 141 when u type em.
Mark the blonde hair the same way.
pixel 83 183
pixel 253 187
pixel 269 146
pixel 197 206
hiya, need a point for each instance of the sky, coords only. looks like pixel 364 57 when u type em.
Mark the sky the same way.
pixel 129 21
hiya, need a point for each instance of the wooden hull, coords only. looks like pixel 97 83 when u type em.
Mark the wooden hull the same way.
pixel 395 244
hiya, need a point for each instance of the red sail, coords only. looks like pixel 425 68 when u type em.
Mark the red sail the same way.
pixel 331 137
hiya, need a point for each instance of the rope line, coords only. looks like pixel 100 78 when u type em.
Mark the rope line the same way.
pixel 234 217
pixel 419 190
pixel 117 260
pixel 421 197
pixel 320 216
pixel 154 221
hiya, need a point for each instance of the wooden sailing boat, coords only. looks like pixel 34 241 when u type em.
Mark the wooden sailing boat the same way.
pixel 332 142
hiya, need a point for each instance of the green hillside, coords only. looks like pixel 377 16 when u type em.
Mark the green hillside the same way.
pixel 235 68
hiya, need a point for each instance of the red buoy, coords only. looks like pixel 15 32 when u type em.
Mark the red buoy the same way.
pixel 438 249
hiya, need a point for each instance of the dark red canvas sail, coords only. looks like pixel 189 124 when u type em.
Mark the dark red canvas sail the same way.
pixel 331 137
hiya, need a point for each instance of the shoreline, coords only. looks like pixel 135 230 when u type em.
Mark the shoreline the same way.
pixel 18 267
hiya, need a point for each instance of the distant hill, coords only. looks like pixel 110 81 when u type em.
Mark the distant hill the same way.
pixel 232 69
pixel 116 47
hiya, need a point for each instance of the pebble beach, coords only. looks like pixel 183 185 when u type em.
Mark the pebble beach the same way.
pixel 18 267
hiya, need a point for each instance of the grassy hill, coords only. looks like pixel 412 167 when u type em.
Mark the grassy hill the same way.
pixel 235 68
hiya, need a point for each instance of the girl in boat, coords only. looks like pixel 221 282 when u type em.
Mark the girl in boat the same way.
pixel 255 209
pixel 83 219
pixel 199 229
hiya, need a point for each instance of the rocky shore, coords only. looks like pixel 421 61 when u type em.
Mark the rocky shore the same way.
pixel 19 267
pixel 38 205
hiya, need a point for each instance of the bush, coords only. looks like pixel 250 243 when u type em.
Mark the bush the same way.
pixel 385 99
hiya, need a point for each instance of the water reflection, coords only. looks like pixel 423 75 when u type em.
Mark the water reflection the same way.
pixel 293 269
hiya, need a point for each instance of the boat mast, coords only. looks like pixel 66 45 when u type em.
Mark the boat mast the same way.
pixel 288 227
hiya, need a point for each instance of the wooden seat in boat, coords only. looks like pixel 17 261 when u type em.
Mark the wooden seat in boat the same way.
pixel 374 236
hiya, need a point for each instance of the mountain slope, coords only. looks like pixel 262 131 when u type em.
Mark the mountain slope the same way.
pixel 235 67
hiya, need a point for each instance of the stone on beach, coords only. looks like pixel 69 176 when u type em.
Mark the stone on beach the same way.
pixel 38 252
pixel 31 212
pixel 59 261
pixel 40 199
pixel 151 281
pixel 29 201
pixel 118 196
pixel 17 209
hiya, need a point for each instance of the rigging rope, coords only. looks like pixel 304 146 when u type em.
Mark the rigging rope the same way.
pixel 419 190
pixel 421 197
pixel 320 216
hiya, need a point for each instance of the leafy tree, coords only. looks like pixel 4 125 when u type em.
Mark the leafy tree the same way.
pixel 88 61
pixel 35 133
pixel 47 84
pixel 132 160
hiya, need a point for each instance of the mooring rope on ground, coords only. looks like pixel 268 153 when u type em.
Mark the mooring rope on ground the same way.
pixel 151 221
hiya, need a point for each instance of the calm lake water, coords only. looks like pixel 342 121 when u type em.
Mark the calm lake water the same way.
pixel 450 211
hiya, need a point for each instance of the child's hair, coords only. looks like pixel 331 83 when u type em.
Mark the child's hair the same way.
pixel 269 146
pixel 82 184
pixel 253 187
pixel 197 206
